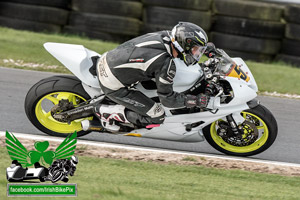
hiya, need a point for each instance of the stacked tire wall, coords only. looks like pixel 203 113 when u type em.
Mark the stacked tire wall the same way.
pixel 165 14
pixel 34 15
pixel 114 20
pixel 290 51
pixel 251 30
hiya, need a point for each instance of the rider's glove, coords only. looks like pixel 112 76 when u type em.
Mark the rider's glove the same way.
pixel 190 101
pixel 202 100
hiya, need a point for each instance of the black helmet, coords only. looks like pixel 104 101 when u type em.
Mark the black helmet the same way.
pixel 190 40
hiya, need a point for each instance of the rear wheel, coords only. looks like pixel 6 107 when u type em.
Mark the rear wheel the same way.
pixel 259 131
pixel 46 94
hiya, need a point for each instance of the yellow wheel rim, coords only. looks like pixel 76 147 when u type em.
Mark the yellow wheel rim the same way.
pixel 43 113
pixel 261 140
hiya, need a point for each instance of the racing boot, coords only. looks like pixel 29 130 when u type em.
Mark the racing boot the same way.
pixel 109 115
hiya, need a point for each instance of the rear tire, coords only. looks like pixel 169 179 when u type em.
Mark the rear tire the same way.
pixel 47 89
pixel 267 124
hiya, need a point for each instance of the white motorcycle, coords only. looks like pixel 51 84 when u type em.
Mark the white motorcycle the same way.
pixel 234 122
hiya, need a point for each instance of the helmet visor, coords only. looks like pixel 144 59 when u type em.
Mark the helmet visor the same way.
pixel 197 51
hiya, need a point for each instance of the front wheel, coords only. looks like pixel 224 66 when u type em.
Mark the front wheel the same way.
pixel 259 131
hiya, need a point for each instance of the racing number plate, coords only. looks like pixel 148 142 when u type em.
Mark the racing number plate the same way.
pixel 237 72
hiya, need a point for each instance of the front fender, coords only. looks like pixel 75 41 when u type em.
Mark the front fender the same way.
pixel 253 103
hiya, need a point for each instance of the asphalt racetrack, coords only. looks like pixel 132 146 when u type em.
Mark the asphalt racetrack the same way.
pixel 14 84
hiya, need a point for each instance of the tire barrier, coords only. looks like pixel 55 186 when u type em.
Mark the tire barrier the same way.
pixel 30 15
pixel 293 60
pixel 101 24
pixel 291 14
pixel 251 30
pixel 290 50
pixel 164 15
pixel 113 20
pixel 203 5
pixel 51 3
pixel 247 44
pixel 171 16
pixel 248 27
pixel 248 9
pixel 95 34
pixel 249 56
pixel 120 8
pixel 29 25
pixel 292 31
pixel 291 47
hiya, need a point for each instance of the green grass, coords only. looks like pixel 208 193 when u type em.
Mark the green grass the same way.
pixel 28 46
pixel 108 179
pixel 278 77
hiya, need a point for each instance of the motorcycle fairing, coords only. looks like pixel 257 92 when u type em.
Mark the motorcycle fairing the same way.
pixel 78 60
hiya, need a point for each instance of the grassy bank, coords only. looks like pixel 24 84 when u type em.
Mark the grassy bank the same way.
pixel 25 49
pixel 121 179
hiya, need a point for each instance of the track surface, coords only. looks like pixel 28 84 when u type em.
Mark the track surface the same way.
pixel 14 85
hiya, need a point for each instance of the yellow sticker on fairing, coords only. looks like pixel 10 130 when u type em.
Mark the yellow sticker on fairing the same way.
pixel 237 72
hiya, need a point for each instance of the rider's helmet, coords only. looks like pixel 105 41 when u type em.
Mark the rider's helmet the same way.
pixel 190 41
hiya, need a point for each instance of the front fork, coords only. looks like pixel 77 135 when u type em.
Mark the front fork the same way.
pixel 235 119
pixel 232 124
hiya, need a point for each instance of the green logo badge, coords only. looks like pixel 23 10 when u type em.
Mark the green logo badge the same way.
pixel 62 162
pixel 27 158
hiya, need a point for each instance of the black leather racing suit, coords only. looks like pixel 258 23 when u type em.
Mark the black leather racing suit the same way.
pixel 140 59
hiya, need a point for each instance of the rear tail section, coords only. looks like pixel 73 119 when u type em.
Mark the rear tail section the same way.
pixel 77 59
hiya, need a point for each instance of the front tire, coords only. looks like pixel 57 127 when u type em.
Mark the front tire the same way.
pixel 259 120
pixel 48 92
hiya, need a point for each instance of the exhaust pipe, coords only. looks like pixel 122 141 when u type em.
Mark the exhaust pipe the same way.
pixel 93 125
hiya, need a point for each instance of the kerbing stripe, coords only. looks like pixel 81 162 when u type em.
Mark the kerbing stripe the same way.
pixel 147 43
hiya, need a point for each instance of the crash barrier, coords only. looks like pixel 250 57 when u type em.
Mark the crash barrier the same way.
pixel 164 14
pixel 34 15
pixel 290 50
pixel 247 28
pixel 114 20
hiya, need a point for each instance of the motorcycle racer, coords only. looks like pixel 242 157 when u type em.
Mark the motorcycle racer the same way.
pixel 144 58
